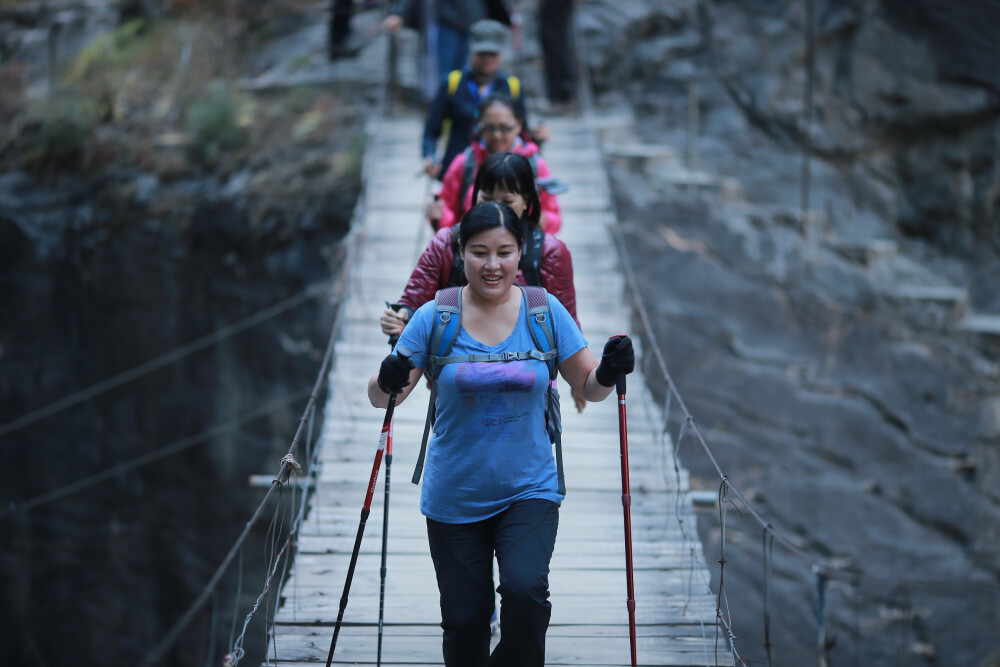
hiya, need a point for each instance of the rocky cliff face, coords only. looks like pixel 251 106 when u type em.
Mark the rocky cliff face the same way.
pixel 87 295
pixel 117 254
pixel 824 355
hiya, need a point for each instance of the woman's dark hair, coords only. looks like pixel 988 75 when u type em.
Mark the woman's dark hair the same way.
pixel 490 215
pixel 499 98
pixel 510 172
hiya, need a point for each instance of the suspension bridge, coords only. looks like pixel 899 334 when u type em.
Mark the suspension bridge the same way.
pixel 675 610
pixel 679 620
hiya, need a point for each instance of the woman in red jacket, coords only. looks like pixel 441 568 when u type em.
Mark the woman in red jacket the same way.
pixel 499 130
pixel 546 261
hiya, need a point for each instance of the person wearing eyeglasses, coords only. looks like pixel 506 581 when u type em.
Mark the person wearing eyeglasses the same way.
pixel 499 130
pixel 452 113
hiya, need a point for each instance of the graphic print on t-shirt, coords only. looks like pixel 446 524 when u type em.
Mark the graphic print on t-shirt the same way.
pixel 491 385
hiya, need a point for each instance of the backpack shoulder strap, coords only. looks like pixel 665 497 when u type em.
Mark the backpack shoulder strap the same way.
pixel 468 172
pixel 454 78
pixel 457 275
pixel 531 259
pixel 540 325
pixel 515 87
pixel 447 323
pixel 540 319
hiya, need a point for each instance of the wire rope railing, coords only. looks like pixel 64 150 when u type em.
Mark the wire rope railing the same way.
pixel 281 555
pixel 821 571
pixel 287 466
pixel 310 293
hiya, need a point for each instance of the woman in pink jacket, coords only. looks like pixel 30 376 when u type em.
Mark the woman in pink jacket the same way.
pixel 499 130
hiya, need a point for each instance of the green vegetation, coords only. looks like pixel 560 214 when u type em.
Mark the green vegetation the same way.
pixel 56 131
pixel 216 123
pixel 112 50
pixel 157 94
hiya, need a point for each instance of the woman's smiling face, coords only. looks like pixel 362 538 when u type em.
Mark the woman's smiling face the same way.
pixel 491 257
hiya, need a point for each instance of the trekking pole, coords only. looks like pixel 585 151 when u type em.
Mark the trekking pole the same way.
pixel 626 507
pixel 383 441
pixel 385 529
pixel 385 544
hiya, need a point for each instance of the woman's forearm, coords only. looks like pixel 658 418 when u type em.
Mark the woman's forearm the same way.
pixel 378 398
pixel 593 390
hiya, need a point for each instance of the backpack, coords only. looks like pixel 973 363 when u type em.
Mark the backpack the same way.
pixel 530 264
pixel 455 77
pixel 448 322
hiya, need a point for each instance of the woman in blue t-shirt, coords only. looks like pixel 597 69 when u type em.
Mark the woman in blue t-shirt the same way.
pixel 490 485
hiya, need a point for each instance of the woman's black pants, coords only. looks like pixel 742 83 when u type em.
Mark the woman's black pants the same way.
pixel 522 537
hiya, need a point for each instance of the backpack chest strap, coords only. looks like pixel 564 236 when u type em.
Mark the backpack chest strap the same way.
pixel 500 356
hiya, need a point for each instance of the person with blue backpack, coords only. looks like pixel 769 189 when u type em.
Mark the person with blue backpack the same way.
pixel 492 487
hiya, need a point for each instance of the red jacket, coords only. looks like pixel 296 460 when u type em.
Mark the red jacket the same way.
pixel 433 272
pixel 455 203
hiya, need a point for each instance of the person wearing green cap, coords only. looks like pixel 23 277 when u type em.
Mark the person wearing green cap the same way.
pixel 455 106
pixel 447 30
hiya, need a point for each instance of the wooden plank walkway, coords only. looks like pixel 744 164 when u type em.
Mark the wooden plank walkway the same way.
pixel 589 625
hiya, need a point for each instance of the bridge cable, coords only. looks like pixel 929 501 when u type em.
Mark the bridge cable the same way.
pixel 156 455
pixel 807 117
pixel 768 549
pixel 311 292
pixel 355 241
pixel 821 571
pixel 585 96
pixel 157 652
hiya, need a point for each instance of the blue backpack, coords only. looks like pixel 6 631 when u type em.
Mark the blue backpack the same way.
pixel 448 322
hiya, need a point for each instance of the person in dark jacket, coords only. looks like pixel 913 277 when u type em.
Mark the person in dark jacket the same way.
pixel 555 34
pixel 451 23
pixel 509 179
pixel 456 103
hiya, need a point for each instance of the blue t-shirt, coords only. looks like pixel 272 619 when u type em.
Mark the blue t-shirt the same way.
pixel 489 447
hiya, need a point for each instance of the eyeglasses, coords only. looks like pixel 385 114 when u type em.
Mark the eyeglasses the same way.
pixel 498 129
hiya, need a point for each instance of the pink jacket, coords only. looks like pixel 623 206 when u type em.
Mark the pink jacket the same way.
pixel 455 203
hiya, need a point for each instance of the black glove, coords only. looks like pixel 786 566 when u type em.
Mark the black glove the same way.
pixel 394 374
pixel 618 359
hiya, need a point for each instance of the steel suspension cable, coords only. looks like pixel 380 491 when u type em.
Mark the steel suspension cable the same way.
pixel 807 117
pixel 643 313
pixel 354 240
pixel 157 653
pixel 162 453
pixel 309 293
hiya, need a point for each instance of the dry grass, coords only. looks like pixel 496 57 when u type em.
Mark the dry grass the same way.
pixel 157 97
pixel 151 78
